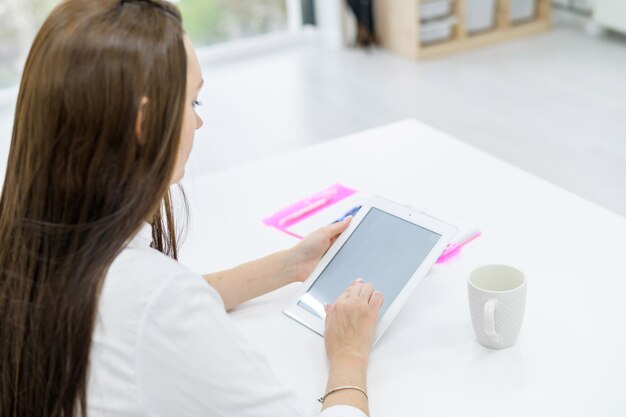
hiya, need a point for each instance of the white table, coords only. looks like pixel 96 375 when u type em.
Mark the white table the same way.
pixel 570 359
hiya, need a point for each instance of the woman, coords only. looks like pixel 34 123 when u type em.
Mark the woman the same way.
pixel 96 316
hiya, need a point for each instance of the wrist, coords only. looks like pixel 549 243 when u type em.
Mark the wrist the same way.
pixel 347 371
pixel 349 360
pixel 290 266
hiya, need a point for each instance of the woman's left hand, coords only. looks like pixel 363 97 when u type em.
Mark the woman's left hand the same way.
pixel 306 254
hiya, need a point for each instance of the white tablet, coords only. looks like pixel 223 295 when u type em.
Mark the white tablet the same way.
pixel 387 244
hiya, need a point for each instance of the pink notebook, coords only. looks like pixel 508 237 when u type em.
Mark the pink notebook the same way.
pixel 291 216
pixel 332 203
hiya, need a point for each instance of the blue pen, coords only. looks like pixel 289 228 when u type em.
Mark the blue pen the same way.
pixel 351 212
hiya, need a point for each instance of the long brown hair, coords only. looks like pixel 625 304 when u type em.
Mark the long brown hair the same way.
pixel 80 183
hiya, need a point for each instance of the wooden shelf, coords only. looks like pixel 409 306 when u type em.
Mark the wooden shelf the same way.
pixel 398 27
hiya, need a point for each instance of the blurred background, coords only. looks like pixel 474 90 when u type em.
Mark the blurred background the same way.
pixel 538 83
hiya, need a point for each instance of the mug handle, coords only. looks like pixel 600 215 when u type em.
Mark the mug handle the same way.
pixel 489 317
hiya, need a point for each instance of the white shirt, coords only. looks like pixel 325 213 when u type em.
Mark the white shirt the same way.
pixel 163 345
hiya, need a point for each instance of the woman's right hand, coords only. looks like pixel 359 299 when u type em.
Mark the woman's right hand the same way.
pixel 351 324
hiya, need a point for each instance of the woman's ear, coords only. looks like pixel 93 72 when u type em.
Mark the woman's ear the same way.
pixel 140 117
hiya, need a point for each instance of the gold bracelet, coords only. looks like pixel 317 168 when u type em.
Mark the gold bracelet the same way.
pixel 332 390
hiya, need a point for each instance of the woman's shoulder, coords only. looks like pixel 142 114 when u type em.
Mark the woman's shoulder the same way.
pixel 139 274
pixel 139 280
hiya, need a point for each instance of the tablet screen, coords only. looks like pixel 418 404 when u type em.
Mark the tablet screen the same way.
pixel 384 250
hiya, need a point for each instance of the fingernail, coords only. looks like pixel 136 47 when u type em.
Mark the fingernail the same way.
pixel 359 280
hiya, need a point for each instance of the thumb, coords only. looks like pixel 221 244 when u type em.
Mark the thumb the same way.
pixel 327 308
pixel 339 227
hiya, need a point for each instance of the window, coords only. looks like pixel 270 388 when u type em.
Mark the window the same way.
pixel 19 22
pixel 211 21
pixel 207 22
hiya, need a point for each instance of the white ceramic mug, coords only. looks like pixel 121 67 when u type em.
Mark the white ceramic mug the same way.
pixel 497 299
